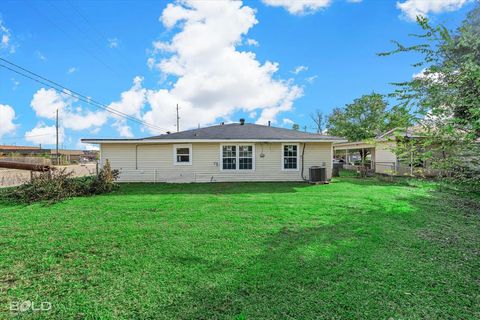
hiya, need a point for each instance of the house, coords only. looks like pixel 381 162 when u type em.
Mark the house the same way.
pixel 379 152
pixel 226 152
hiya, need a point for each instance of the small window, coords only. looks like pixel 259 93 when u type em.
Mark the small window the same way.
pixel 229 157
pixel 290 157
pixel 182 154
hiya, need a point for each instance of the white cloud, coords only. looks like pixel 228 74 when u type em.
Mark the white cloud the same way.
pixel 72 70
pixel 299 69
pixel 43 134
pixel 354 1
pixel 113 43
pixel 6 38
pixel 311 79
pixel 131 103
pixel 252 42
pixel 7 115
pixel 299 7
pixel 45 103
pixel 213 78
pixel 413 8
pixel 287 121
pixel 426 75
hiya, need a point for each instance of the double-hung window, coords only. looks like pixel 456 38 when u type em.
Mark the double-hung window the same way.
pixel 290 156
pixel 245 157
pixel 229 157
pixel 237 157
pixel 182 154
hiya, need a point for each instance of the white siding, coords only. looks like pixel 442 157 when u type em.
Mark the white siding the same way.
pixel 385 159
pixel 154 163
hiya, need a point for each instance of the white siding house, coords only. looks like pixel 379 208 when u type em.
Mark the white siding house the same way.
pixel 232 152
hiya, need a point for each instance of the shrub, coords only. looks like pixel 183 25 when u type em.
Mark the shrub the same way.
pixel 105 181
pixel 57 185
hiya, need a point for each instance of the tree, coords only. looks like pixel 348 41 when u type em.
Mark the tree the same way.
pixel 445 96
pixel 296 126
pixel 319 120
pixel 365 118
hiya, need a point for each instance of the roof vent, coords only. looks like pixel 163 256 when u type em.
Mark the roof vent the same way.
pixel 269 123
pixel 242 121
pixel 168 132
pixel 222 123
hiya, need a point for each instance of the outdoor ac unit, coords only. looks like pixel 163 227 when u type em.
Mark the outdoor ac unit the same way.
pixel 318 174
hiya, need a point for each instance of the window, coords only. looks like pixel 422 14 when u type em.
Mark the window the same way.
pixel 290 157
pixel 245 157
pixel 182 154
pixel 229 157
pixel 237 157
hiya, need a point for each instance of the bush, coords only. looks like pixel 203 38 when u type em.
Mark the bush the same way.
pixel 57 185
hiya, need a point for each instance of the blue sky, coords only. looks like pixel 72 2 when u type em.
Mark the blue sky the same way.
pixel 270 60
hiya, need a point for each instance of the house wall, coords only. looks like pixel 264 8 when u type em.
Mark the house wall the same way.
pixel 154 163
pixel 385 159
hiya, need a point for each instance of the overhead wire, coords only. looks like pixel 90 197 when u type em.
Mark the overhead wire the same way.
pixel 65 90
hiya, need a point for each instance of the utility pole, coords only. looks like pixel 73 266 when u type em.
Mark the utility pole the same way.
pixel 178 120
pixel 57 162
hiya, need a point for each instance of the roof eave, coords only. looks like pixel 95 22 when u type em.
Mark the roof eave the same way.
pixel 157 141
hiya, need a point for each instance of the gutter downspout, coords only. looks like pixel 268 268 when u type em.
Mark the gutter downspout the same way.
pixel 136 157
pixel 303 153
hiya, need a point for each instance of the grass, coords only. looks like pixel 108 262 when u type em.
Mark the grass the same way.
pixel 354 249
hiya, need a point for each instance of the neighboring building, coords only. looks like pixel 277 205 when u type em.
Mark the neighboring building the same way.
pixel 35 154
pixel 230 152
pixel 380 152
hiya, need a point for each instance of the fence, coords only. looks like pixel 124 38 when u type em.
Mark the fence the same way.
pixel 31 160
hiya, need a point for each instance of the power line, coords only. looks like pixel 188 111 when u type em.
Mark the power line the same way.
pixel 69 36
pixel 52 84
pixel 28 136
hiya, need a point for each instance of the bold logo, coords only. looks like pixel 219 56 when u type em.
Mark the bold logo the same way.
pixel 23 306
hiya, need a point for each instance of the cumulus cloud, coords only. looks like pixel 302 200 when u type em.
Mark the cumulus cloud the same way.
pixel 413 8
pixel 287 121
pixel 43 134
pixel 131 103
pixel 212 78
pixel 299 7
pixel 72 115
pixel 46 102
pixel 7 115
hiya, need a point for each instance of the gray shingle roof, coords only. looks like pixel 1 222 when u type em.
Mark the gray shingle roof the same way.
pixel 247 131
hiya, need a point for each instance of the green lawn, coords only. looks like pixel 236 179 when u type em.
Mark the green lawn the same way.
pixel 353 249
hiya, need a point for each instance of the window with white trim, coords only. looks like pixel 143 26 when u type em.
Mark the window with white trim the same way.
pixel 229 157
pixel 182 154
pixel 237 157
pixel 290 157
pixel 245 157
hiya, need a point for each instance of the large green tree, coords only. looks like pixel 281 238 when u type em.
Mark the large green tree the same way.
pixel 365 118
pixel 445 97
